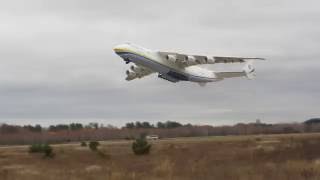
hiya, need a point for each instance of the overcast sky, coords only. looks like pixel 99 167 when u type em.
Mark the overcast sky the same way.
pixel 57 63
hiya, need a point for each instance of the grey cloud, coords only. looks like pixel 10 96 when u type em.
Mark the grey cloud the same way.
pixel 57 63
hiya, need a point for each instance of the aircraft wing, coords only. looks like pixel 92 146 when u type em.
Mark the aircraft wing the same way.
pixel 185 60
pixel 137 71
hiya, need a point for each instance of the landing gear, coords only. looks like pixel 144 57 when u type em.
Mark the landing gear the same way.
pixel 127 60
pixel 168 78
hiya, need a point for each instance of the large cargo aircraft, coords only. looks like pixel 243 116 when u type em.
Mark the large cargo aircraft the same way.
pixel 176 67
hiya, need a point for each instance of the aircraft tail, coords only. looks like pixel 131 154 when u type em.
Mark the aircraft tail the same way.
pixel 249 70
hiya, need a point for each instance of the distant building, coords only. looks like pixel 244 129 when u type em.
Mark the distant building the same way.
pixel 152 137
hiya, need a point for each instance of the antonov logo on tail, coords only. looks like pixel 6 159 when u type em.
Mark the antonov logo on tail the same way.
pixel 176 67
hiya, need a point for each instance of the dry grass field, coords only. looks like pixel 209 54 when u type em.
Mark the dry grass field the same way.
pixel 283 157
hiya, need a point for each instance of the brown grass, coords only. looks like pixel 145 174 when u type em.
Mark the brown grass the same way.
pixel 285 157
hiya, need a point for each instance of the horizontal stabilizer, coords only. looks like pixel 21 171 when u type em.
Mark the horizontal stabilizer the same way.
pixel 249 70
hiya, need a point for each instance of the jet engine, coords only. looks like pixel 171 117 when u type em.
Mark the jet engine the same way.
pixel 210 60
pixel 202 60
pixel 205 60
pixel 136 69
pixel 130 75
pixel 191 60
pixel 171 57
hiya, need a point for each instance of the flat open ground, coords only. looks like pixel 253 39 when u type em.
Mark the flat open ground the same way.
pixel 285 157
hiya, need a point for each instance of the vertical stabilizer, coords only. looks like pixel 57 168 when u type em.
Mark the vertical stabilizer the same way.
pixel 249 69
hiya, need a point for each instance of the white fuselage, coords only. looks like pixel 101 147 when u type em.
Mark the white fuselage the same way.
pixel 168 69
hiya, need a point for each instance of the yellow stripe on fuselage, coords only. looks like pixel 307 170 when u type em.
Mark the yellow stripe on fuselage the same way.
pixel 124 50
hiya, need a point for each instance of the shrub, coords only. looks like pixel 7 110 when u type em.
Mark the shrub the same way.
pixel 42 148
pixel 47 149
pixel 93 145
pixel 35 148
pixel 141 146
pixel 83 144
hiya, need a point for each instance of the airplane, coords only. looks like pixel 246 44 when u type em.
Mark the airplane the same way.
pixel 176 67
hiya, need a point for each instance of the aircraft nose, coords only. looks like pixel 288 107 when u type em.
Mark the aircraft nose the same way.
pixel 120 48
pixel 117 48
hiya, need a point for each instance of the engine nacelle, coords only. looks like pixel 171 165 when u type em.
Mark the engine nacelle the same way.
pixel 136 69
pixel 171 57
pixel 130 75
pixel 191 60
pixel 210 60
pixel 202 60
pixel 205 60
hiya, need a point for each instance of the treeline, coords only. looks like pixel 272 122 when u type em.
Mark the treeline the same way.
pixel 61 133
pixel 73 127
pixel 8 129
pixel 162 125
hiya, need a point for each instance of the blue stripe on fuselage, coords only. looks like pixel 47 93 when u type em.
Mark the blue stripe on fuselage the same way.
pixel 136 58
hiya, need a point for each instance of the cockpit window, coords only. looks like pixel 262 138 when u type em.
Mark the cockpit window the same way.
pixel 138 47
